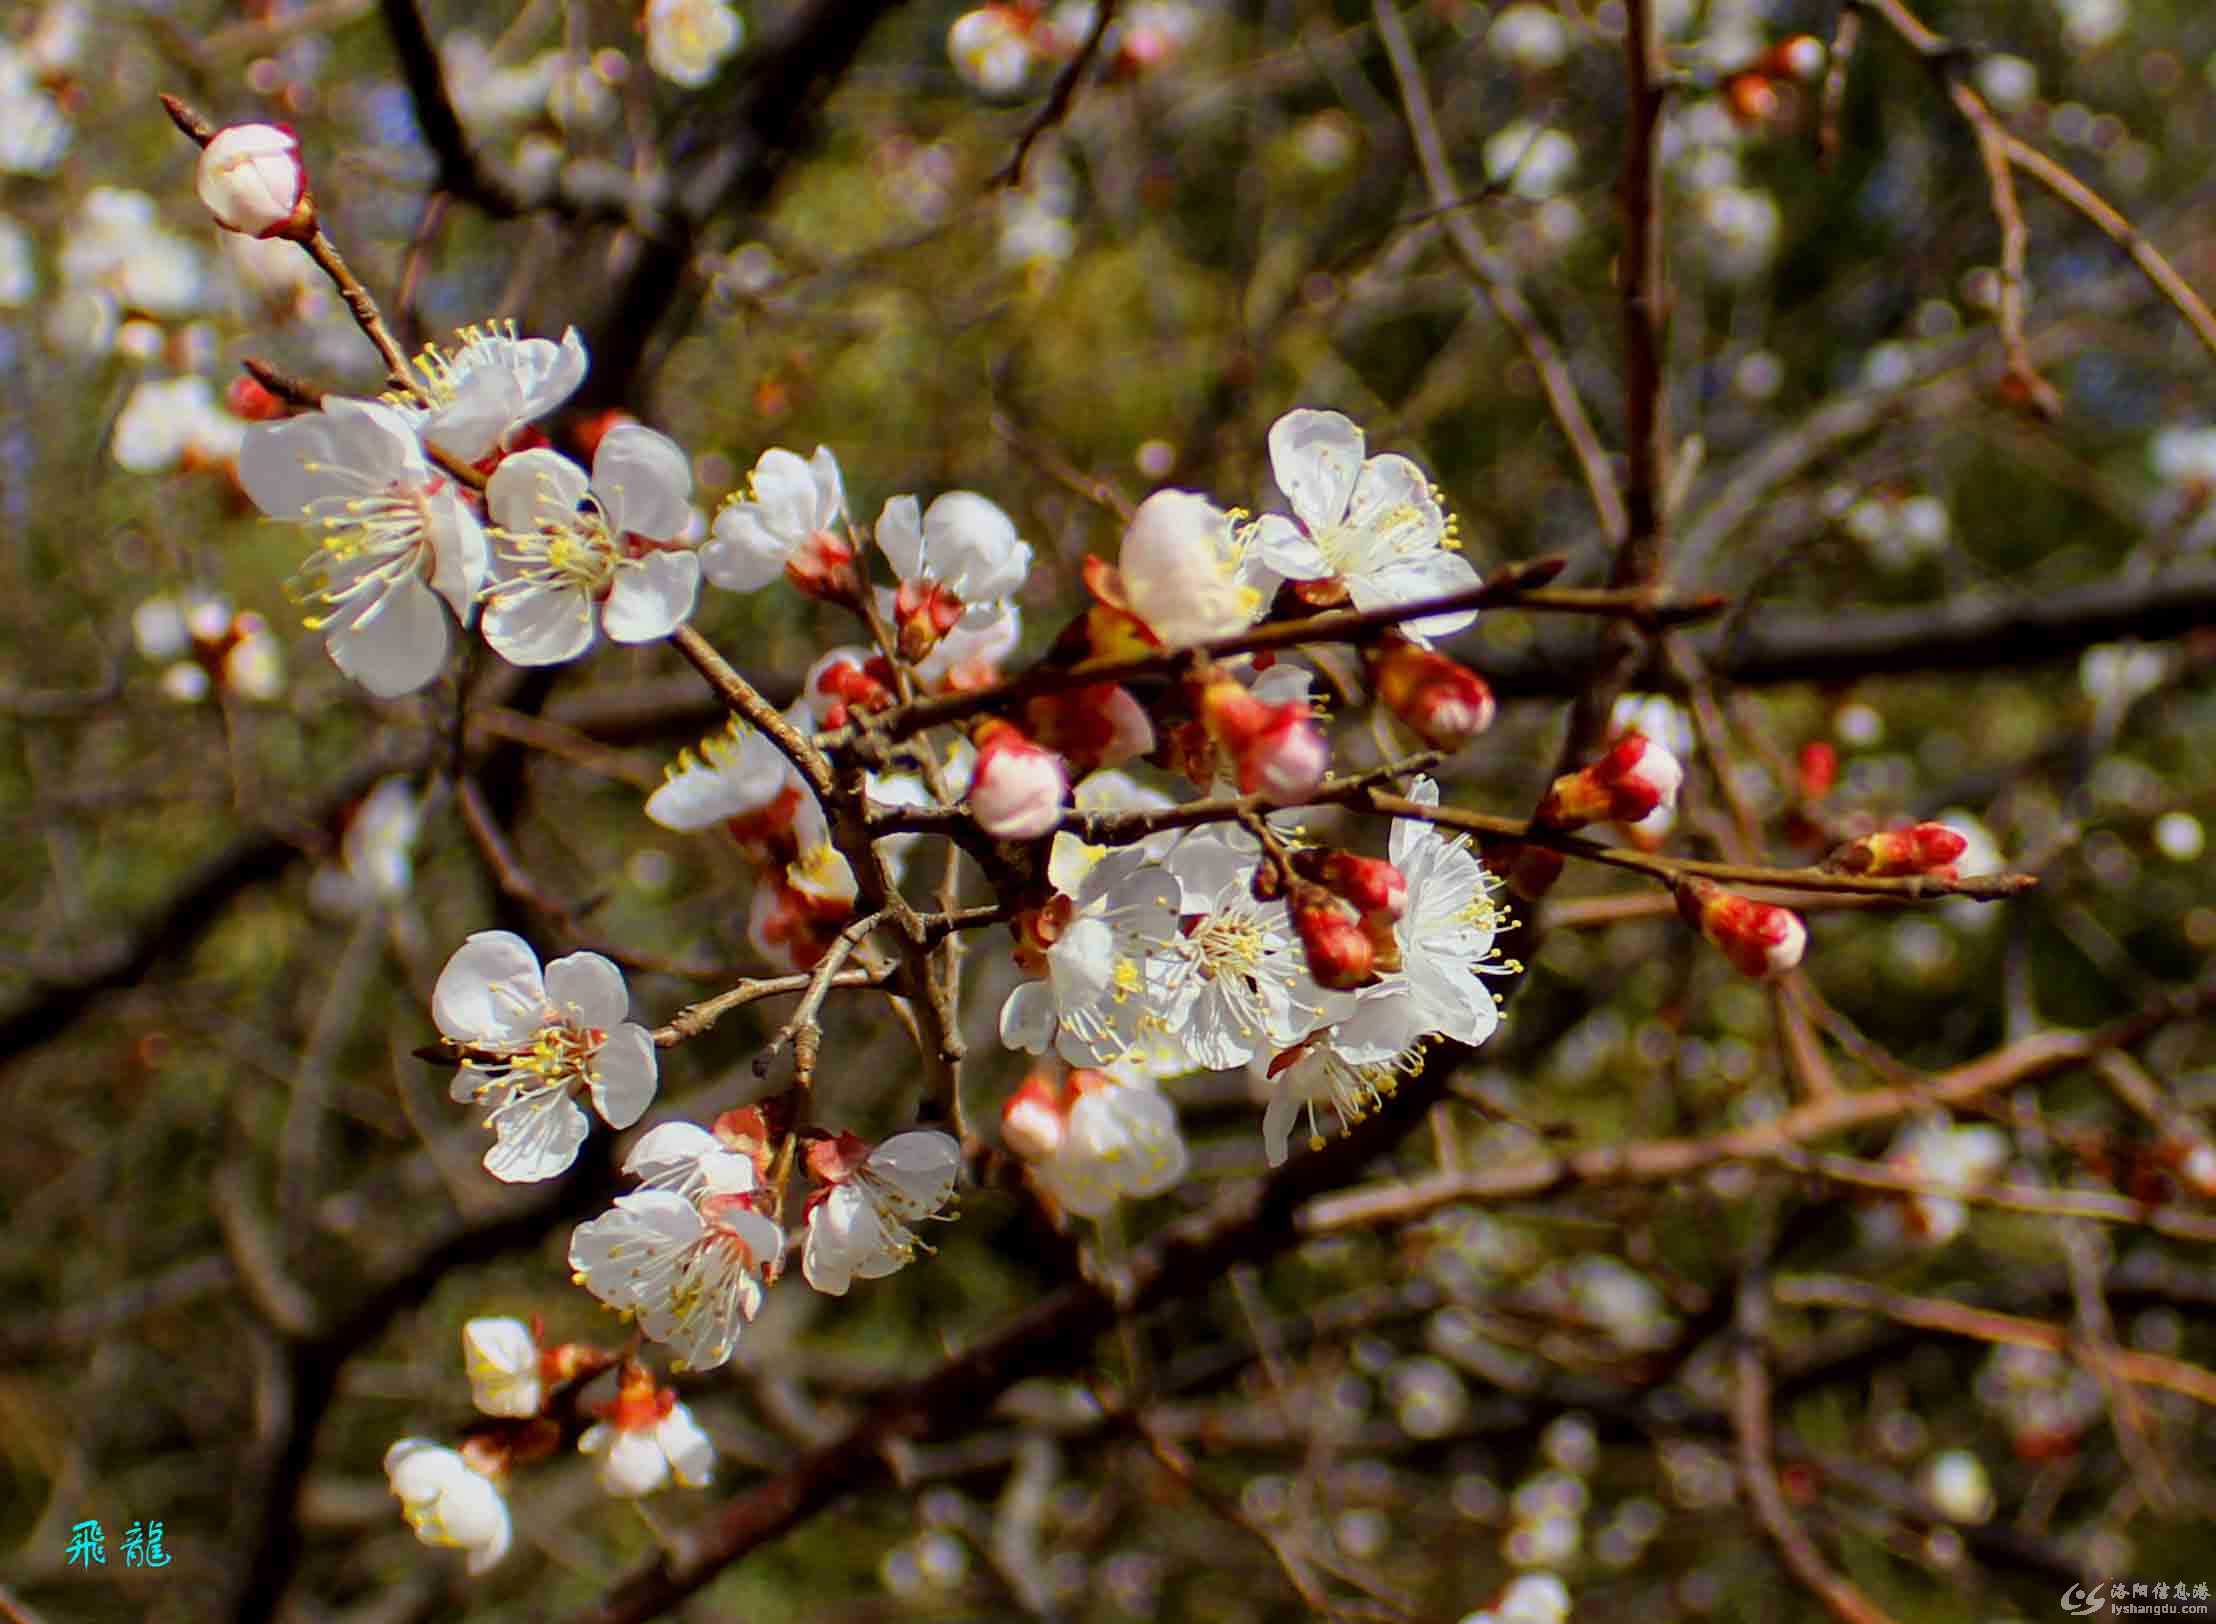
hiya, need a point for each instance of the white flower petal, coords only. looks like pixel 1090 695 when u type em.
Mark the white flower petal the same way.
pixel 691 1452
pixel 491 993
pixel 396 643
pixel 899 535
pixel 652 599
pixel 538 1132
pixel 1316 457
pixel 539 625
pixel 742 553
pixel 588 989
pixel 625 1073
pixel 535 489
pixel 644 482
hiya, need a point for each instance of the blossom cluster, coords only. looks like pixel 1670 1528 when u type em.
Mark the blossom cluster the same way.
pixel 1149 943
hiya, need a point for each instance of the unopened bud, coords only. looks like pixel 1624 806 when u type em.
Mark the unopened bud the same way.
pixel 252 181
pixel 1341 955
pixel 1760 939
pixel 1096 726
pixel 247 397
pixel 1751 98
pixel 1915 848
pixel 1797 56
pixel 1018 789
pixel 1442 701
pixel 1636 776
pixel 843 684
pixel 1367 884
pixel 1276 751
pixel 1032 1122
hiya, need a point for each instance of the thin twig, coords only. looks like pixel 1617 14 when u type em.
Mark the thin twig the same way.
pixel 1750 1425
pixel 740 696
pixel 1497 279
pixel 1657 1160
pixel 1339 626
pixel 1060 99
pixel 1984 1325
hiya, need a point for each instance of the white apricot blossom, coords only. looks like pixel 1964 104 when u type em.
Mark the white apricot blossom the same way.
pixel 1445 937
pixel 858 1222
pixel 1185 573
pixel 478 397
pixel 1318 1073
pixel 1120 1142
pixel 1372 524
pixel 1234 975
pixel 447 1502
pixel 689 1161
pixel 398 537
pixel 732 774
pixel 690 1268
pixel 572 554
pixel 533 1042
pixel 648 1437
pixel 792 509
pixel 1094 1005
pixel 963 542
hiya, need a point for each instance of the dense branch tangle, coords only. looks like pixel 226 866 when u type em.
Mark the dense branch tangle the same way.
pixel 1257 1221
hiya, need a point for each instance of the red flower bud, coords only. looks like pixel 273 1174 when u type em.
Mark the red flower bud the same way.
pixel 1369 884
pixel 1914 848
pixel 1341 955
pixel 1636 776
pixel 1760 939
pixel 1797 56
pixel 1277 751
pixel 1092 727
pixel 248 398
pixel 1441 701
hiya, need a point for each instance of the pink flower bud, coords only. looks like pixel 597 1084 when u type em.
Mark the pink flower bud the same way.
pixel 1032 1122
pixel 1760 939
pixel 1018 789
pixel 1441 701
pixel 1097 726
pixel 1636 776
pixel 252 181
pixel 1799 56
pixel 1340 953
pixel 1915 848
pixel 1276 751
